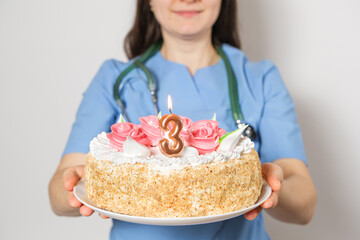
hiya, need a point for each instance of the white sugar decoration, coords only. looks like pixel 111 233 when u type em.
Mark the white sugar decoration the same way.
pixel 230 140
pixel 133 148
pixel 121 119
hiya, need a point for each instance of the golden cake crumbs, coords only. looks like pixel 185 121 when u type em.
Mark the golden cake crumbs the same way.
pixel 201 190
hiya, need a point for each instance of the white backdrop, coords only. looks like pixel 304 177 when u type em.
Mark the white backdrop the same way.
pixel 50 50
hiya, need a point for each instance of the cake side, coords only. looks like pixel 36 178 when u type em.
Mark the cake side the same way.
pixel 201 190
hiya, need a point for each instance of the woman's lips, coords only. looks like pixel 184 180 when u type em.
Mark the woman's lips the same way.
pixel 187 14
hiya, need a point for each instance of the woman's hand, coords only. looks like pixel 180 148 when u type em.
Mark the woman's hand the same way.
pixel 274 175
pixel 68 174
pixel 293 197
pixel 71 177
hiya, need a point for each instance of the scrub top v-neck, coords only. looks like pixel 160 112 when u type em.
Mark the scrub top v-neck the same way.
pixel 265 103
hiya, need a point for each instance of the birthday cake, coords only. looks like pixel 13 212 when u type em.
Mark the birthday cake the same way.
pixel 200 171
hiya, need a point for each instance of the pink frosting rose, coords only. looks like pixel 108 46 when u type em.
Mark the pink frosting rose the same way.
pixel 150 126
pixel 187 122
pixel 119 132
pixel 204 135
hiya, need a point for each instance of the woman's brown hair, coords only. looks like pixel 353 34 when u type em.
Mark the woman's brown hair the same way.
pixel 146 30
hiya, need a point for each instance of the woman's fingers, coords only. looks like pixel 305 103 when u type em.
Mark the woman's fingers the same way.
pixel 70 179
pixel 272 201
pixel 253 213
pixel 269 203
pixel 103 216
pixel 71 176
pixel 73 201
pixel 273 175
pixel 86 211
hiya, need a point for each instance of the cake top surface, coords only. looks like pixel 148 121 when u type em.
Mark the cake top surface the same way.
pixel 203 142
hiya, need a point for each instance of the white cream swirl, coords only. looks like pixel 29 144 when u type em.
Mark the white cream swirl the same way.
pixel 101 150
pixel 245 145
pixel 100 147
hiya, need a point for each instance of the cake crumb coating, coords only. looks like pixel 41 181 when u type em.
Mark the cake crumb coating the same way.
pixel 201 190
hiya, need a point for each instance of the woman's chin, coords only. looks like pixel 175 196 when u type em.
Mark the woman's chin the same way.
pixel 190 32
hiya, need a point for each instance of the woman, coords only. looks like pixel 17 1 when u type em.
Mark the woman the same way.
pixel 189 68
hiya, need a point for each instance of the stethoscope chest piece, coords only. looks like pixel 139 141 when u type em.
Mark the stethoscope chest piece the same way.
pixel 250 132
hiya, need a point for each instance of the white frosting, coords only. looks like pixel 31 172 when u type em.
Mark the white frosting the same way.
pixel 100 147
pixel 135 153
pixel 245 145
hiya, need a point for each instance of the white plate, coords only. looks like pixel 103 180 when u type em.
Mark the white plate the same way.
pixel 80 193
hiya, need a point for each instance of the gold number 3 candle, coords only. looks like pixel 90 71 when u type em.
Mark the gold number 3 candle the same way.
pixel 171 123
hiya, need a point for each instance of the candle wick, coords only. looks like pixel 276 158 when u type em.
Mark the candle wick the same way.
pixel 170 111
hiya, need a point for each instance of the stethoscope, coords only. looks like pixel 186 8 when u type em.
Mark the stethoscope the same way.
pixel 151 51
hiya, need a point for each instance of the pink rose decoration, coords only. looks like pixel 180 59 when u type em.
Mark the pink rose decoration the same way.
pixel 119 132
pixel 204 135
pixel 150 126
pixel 187 122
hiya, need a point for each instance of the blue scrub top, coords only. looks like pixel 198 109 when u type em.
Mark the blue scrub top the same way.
pixel 264 99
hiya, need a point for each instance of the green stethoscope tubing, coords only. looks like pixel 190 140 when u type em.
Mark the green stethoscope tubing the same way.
pixel 233 90
pixel 151 51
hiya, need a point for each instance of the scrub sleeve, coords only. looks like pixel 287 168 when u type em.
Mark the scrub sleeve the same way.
pixel 97 111
pixel 280 134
